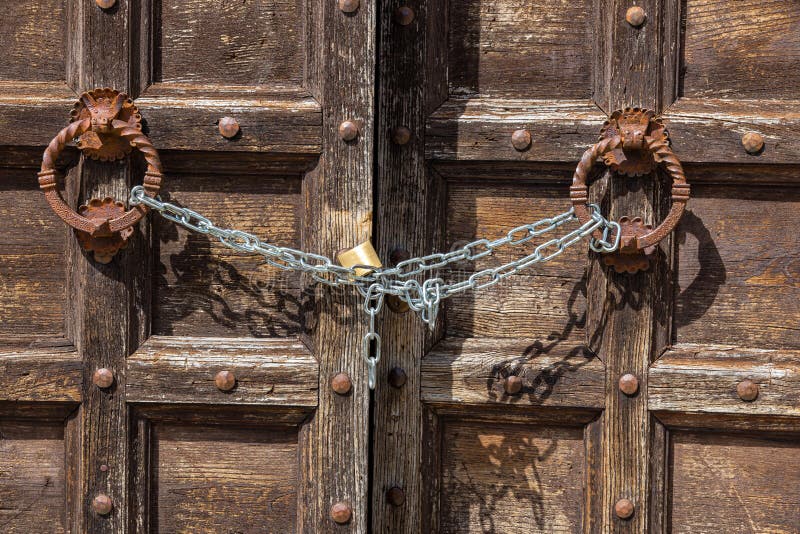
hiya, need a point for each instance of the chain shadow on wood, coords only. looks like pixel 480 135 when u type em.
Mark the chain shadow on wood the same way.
pixel 230 297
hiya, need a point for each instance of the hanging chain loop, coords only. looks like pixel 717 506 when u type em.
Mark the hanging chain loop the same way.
pixel 402 280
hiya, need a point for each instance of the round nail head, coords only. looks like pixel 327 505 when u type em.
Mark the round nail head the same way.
pixel 395 496
pixel 225 380
pixel 102 504
pixel 753 142
pixel 521 140
pixel 348 131
pixel 103 378
pixel 228 127
pixel 401 135
pixel 635 16
pixel 747 390
pixel 512 385
pixel 629 384
pixel 105 4
pixel 624 509
pixel 341 384
pixel 341 512
pixel 397 377
pixel 349 6
pixel 404 15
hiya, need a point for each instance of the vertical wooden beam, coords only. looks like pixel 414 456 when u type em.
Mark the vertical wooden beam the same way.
pixel 109 304
pixel 411 204
pixel 338 214
pixel 630 315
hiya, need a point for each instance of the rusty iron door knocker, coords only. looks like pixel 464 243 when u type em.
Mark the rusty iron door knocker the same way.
pixel 107 126
pixel 632 142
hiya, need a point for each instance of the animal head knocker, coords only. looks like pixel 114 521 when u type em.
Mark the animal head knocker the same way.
pixel 109 111
pixel 637 129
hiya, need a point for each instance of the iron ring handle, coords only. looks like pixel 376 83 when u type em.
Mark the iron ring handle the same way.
pixel 48 178
pixel 660 150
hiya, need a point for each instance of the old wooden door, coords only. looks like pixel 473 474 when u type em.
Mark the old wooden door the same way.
pixel 441 446
pixel 163 446
pixel 685 452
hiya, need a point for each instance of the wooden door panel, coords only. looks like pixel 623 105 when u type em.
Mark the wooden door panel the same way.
pixel 249 44
pixel 33 471
pixel 741 49
pixel 33 291
pixel 738 267
pixel 205 289
pixel 733 482
pixel 519 49
pixel 172 451
pixel 511 478
pixel 549 303
pixel 224 478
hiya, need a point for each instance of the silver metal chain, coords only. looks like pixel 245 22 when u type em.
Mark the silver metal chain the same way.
pixel 403 280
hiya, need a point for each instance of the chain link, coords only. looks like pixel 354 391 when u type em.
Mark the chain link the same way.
pixel 402 280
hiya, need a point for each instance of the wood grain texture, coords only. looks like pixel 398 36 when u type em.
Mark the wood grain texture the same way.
pixel 205 289
pixel 703 379
pixel 337 202
pixel 734 294
pixel 31 248
pixel 710 130
pixel 34 35
pixel 26 106
pixel 411 208
pixel 737 50
pixel 229 43
pixel 183 117
pixel 32 477
pixel 544 304
pixel 734 483
pixel 629 315
pixel 480 129
pixel 182 370
pixel 109 304
pixel 511 478
pixel 471 372
pixel 40 375
pixel 209 479
pixel 519 48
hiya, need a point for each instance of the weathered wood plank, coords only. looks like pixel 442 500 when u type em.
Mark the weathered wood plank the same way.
pixel 734 483
pixel 738 273
pixel 703 379
pixel 338 214
pixel 34 37
pixel 40 375
pixel 472 372
pixel 223 479
pixel 629 315
pixel 180 119
pixel 710 130
pixel 520 48
pixel 110 307
pixel 480 129
pixel 731 50
pixel 32 477
pixel 515 478
pixel 182 370
pixel 205 289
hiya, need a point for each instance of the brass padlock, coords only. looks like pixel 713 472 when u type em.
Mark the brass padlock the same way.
pixel 363 254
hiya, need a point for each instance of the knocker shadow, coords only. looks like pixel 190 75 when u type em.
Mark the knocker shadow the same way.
pixel 696 298
pixel 246 298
